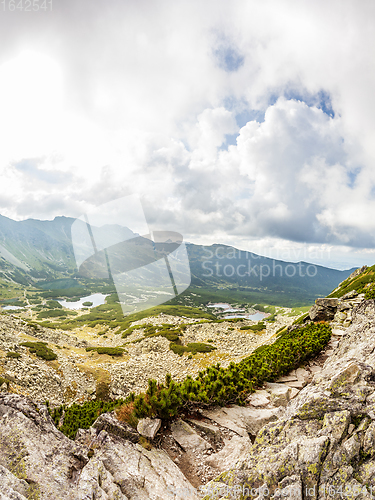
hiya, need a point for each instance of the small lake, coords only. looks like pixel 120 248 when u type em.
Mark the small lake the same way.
pixel 220 305
pixel 254 317
pixel 97 299
pixel 227 308
pixel 11 308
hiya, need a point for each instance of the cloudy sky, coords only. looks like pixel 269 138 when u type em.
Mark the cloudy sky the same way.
pixel 249 123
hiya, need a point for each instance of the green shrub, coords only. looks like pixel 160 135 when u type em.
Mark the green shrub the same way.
pixel 214 385
pixel 200 347
pixel 217 385
pixel 178 348
pixel 81 416
pixel 88 304
pixel 41 350
pixel 193 348
pixel 53 313
pixel 111 351
pixel 14 355
pixel 53 304
pixel 255 328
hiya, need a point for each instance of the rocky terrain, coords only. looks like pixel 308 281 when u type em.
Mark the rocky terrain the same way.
pixel 75 374
pixel 309 434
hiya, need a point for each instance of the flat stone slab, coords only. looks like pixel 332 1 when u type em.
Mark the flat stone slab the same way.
pixel 187 438
pixel 337 331
pixel 302 374
pixel 297 385
pixel 315 369
pixel 242 419
pixel 287 378
pixel 254 420
pixel 293 392
pixel 206 427
pixel 230 418
pixel 234 450
pixel 259 398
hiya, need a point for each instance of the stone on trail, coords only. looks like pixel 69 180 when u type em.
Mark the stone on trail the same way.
pixel 187 438
pixel 148 427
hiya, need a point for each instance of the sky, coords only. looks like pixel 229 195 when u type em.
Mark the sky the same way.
pixel 247 123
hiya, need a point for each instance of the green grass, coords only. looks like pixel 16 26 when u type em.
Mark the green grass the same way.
pixel 111 315
pixel 297 311
pixel 364 283
pixel 53 313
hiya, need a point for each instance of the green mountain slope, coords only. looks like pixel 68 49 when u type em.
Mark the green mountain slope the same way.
pixel 223 270
pixel 34 252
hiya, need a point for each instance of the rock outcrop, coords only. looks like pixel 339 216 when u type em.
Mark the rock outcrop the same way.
pixel 39 462
pixel 338 310
pixel 324 444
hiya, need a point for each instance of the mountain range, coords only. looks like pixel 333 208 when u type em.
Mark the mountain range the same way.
pixel 35 252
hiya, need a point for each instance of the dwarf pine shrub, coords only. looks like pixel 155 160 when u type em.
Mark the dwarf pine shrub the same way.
pixel 41 350
pixel 218 385
pixel 213 386
pixel 14 355
pixel 111 351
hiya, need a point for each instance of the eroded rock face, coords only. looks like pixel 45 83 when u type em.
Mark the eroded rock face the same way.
pixel 325 440
pixel 38 461
pixel 324 309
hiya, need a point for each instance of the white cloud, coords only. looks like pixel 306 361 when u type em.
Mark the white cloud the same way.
pixel 141 97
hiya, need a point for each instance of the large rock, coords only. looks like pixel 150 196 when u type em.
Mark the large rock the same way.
pixel 33 449
pixel 242 420
pixel 187 438
pixel 209 429
pixel 148 427
pixel 324 309
pixel 38 462
pixel 280 393
pixel 110 423
pixel 11 486
pixel 129 471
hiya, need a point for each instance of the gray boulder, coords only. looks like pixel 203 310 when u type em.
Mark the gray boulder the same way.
pixel 148 427
pixel 324 309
